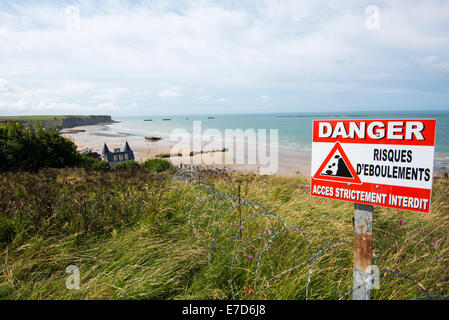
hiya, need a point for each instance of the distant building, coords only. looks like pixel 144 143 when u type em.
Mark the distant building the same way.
pixel 117 156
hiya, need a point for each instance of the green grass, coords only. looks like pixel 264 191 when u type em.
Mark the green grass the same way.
pixel 53 120
pixel 129 233
pixel 41 117
pixel 56 119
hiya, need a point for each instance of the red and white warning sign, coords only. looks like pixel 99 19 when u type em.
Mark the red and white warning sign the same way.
pixel 386 163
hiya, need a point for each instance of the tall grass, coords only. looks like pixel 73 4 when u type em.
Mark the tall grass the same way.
pixel 131 235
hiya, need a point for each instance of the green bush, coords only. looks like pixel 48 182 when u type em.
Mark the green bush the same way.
pixel 86 162
pixel 7 232
pixel 158 165
pixel 90 163
pixel 101 166
pixel 30 148
pixel 126 165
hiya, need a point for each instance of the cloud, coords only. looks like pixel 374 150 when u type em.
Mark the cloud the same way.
pixel 169 93
pixel 433 64
pixel 221 100
pixel 380 76
pixel 6 86
pixel 39 106
pixel 108 105
pixel 110 93
pixel 265 97
pixel 70 96
pixel 90 53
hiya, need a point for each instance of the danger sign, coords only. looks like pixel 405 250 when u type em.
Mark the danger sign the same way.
pixel 387 163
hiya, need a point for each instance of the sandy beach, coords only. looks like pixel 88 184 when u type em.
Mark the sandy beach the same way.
pixel 291 161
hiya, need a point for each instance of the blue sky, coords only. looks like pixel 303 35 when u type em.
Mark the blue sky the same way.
pixel 204 57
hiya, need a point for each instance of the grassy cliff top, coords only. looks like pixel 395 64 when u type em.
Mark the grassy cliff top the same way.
pixel 62 121
pixel 143 236
pixel 47 117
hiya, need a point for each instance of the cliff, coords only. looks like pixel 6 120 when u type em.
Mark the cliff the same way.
pixel 60 122
pixel 74 121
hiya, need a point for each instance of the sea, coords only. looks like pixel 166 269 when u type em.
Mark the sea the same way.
pixel 294 128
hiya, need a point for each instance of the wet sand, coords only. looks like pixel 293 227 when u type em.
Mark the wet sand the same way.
pixel 290 161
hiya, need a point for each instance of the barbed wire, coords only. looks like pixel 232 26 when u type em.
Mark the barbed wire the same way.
pixel 202 210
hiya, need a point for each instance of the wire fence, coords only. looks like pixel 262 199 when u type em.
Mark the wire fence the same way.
pixel 247 232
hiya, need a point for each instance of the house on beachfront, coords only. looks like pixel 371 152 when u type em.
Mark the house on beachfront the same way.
pixel 117 156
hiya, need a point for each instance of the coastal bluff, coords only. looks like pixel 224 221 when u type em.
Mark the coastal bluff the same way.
pixel 71 122
pixel 61 122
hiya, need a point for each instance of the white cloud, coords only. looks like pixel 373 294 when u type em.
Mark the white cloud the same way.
pixel 70 96
pixel 110 93
pixel 169 93
pixel 107 105
pixel 6 86
pixel 116 52
pixel 433 64
pixel 221 100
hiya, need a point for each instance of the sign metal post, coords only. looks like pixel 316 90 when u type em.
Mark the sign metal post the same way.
pixel 363 251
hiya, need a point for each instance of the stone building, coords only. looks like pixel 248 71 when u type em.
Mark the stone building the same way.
pixel 117 156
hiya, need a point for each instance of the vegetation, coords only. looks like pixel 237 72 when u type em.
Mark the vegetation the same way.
pixel 90 163
pixel 152 165
pixel 158 165
pixel 31 148
pixel 130 233
pixel 67 121
pixel 126 165
pixel 37 118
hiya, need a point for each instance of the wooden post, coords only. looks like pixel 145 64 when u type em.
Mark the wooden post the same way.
pixel 363 251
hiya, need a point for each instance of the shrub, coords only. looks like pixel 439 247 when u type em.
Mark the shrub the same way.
pixel 158 165
pixel 90 163
pixel 31 148
pixel 126 165
pixel 101 166
pixel 86 162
